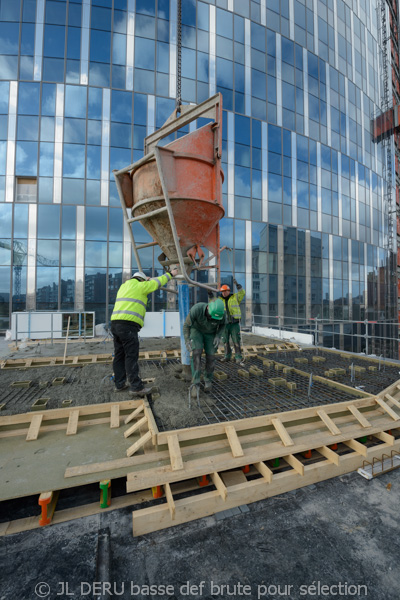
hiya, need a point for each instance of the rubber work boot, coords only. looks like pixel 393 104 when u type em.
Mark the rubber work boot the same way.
pixel 121 389
pixel 138 393
pixel 226 359
pixel 207 387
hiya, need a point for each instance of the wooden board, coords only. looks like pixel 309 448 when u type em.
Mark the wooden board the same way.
pixel 72 426
pixel 34 427
pixel 175 452
pixel 188 509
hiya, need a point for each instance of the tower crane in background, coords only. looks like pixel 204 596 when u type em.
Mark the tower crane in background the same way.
pixel 19 254
pixel 386 130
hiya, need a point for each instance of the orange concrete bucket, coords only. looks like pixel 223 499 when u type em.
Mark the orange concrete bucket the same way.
pixel 194 184
pixel 188 172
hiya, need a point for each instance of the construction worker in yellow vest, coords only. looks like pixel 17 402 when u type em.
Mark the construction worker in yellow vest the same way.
pixel 127 320
pixel 233 316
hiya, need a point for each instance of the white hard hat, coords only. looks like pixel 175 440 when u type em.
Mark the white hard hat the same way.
pixel 139 275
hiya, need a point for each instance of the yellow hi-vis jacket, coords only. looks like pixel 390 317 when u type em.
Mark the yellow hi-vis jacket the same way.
pixel 232 305
pixel 131 302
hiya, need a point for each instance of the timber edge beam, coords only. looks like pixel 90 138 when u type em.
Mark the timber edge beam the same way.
pixel 88 359
pixel 267 485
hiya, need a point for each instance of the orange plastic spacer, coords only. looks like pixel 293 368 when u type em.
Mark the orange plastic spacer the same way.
pixel 203 481
pixel 334 447
pixel 307 454
pixel 157 491
pixel 390 432
pixel 246 469
pixel 47 501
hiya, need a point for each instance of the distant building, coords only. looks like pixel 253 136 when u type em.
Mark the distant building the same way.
pixel 84 82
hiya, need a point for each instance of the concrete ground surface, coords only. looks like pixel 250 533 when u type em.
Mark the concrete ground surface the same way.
pixel 336 539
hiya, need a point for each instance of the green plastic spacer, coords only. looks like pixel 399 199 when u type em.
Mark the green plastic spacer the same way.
pixel 276 462
pixel 105 495
pixel 363 440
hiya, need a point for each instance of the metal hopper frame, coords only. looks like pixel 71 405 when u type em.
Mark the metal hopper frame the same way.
pixel 211 108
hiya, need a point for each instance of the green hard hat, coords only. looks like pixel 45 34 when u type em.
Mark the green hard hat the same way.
pixel 216 309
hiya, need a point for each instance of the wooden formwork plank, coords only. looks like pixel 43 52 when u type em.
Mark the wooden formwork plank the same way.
pixel 190 433
pixel 395 402
pixel 233 440
pixel 357 447
pixel 360 418
pixel 63 413
pixel 188 509
pixel 223 460
pixel 170 500
pixel 328 422
pixel 264 471
pixel 175 452
pixel 134 414
pixel 385 437
pixel 282 432
pixel 387 409
pixel 141 442
pixel 114 416
pixel 73 419
pixel 329 454
pixel 34 427
pixel 220 486
pixel 151 422
pixel 135 427
pixel 294 463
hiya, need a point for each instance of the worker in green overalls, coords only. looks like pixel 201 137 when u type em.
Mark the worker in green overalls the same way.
pixel 233 316
pixel 203 328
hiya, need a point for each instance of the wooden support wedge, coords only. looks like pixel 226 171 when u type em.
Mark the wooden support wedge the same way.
pixel 387 409
pixel 135 427
pixel 73 419
pixel 294 463
pixel 328 422
pixel 175 452
pixel 282 432
pixel 329 454
pixel 170 500
pixel 395 402
pixel 264 471
pixel 357 447
pixel 34 427
pixel 233 440
pixel 360 418
pixel 134 414
pixel 141 442
pixel 220 486
pixel 385 437
pixel 114 416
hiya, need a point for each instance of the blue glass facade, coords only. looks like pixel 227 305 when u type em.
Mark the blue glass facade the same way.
pixel 83 83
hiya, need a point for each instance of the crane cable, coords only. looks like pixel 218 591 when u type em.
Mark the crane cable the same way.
pixel 179 58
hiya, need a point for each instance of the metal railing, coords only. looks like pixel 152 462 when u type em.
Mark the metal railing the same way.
pixel 371 331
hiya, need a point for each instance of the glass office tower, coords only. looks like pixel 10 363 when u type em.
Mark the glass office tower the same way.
pixel 83 82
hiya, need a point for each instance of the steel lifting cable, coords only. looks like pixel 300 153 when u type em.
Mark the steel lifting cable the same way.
pixel 179 57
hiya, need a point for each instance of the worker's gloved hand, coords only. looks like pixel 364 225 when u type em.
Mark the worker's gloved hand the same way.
pixel 174 272
pixel 216 343
pixel 210 294
pixel 189 347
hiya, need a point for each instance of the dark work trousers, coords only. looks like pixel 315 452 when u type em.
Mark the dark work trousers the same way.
pixel 126 354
